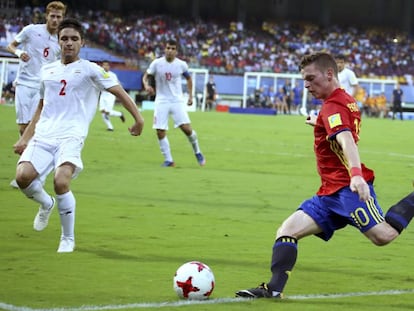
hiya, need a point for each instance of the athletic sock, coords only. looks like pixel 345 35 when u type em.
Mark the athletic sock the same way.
pixel 105 118
pixel 36 192
pixel 67 204
pixel 165 149
pixel 283 260
pixel 400 214
pixel 114 113
pixel 193 139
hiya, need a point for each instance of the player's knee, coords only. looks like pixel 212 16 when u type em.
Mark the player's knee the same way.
pixel 60 186
pixel 25 174
pixel 380 241
pixel 384 238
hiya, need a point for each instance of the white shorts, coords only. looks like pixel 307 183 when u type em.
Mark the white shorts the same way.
pixel 26 102
pixel 163 110
pixel 46 155
pixel 106 101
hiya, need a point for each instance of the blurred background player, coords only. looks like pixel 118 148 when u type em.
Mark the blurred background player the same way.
pixel 211 93
pixel 397 99
pixel 38 46
pixel 107 100
pixel 168 71
pixel 347 77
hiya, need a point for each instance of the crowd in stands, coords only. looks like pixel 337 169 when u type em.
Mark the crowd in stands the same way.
pixel 288 100
pixel 233 48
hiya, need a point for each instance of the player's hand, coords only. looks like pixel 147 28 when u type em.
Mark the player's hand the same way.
pixel 150 90
pixel 311 120
pixel 190 101
pixel 19 146
pixel 25 57
pixel 360 186
pixel 136 129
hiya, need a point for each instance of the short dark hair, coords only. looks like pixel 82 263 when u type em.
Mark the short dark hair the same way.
pixel 71 23
pixel 172 42
pixel 340 57
pixel 322 60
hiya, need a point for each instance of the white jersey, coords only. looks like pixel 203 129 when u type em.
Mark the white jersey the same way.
pixel 347 80
pixel 70 95
pixel 107 97
pixel 42 47
pixel 168 79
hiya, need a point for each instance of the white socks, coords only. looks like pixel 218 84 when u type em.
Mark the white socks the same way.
pixel 165 149
pixel 36 192
pixel 115 113
pixel 194 141
pixel 105 118
pixel 66 204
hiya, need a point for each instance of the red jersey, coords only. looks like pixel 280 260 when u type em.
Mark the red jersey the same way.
pixel 339 113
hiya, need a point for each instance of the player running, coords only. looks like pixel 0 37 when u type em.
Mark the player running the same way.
pixel 168 72
pixel 55 137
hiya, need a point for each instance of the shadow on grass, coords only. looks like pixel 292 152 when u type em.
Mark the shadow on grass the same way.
pixel 114 255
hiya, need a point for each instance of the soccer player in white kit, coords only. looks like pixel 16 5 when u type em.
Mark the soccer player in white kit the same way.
pixel 347 78
pixel 107 101
pixel 55 137
pixel 39 46
pixel 168 72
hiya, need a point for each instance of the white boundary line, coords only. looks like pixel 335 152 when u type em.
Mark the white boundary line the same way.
pixel 9 307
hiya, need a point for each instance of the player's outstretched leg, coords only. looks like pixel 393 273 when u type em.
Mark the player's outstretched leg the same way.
pixel 193 139
pixel 400 214
pixel 283 260
pixel 37 193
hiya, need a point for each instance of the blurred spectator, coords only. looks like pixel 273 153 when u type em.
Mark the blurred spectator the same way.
pixel 8 92
pixel 371 106
pixel 297 93
pixel 233 48
pixel 269 97
pixel 360 97
pixel 280 100
pixel 381 102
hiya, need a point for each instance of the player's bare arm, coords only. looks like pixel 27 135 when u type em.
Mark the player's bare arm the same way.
pixel 28 133
pixel 13 48
pixel 350 149
pixel 189 89
pixel 129 104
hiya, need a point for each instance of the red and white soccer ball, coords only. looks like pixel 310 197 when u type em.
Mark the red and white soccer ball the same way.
pixel 194 280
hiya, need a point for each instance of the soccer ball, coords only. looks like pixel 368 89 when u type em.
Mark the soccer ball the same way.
pixel 194 280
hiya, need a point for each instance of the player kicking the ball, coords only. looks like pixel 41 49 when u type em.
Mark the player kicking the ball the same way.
pixel 346 196
pixel 168 72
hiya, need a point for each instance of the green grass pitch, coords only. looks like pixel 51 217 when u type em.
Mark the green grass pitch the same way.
pixel 137 222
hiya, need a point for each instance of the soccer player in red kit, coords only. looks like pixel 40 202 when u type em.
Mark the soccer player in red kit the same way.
pixel 346 195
